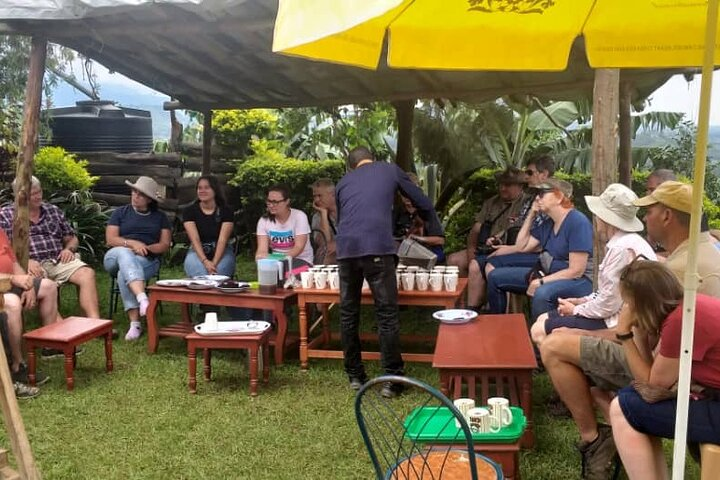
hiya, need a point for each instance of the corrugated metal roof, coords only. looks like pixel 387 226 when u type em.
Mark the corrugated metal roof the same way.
pixel 216 54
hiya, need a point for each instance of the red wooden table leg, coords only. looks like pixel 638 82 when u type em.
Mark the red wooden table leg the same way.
pixel 207 359
pixel 254 369
pixel 266 362
pixel 69 361
pixel 153 336
pixel 282 325
pixel 303 326
pixel 108 352
pixel 32 362
pixel 192 364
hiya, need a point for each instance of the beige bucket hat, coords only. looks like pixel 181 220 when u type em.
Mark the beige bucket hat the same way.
pixel 147 186
pixel 615 207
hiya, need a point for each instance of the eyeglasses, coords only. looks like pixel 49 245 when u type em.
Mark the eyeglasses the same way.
pixel 540 193
pixel 530 172
pixel 274 202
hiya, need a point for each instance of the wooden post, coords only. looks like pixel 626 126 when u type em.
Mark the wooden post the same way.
pixel 31 115
pixel 207 142
pixel 606 93
pixel 11 412
pixel 625 124
pixel 405 111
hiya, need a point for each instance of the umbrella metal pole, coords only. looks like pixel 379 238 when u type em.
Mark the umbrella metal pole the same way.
pixel 691 276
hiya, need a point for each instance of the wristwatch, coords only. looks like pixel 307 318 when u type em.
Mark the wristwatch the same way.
pixel 624 336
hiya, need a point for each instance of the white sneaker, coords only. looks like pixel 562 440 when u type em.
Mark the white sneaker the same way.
pixel 133 334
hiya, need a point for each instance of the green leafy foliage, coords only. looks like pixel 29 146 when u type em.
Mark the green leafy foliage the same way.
pixel 88 218
pixel 59 170
pixel 267 167
pixel 233 129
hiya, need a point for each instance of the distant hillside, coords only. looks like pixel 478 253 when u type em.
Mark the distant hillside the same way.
pixel 660 139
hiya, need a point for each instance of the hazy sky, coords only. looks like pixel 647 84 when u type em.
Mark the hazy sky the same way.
pixel 677 95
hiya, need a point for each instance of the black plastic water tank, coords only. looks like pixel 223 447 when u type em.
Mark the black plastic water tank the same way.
pixel 100 126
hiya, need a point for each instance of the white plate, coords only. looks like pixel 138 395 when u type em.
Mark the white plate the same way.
pixel 455 315
pixel 200 284
pixel 172 283
pixel 212 278
pixel 233 290
pixel 252 327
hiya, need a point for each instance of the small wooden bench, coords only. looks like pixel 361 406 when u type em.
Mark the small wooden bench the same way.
pixel 65 336
pixel 252 343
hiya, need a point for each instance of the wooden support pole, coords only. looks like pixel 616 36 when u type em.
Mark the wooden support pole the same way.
pixel 606 93
pixel 31 116
pixel 207 142
pixel 625 125
pixel 405 111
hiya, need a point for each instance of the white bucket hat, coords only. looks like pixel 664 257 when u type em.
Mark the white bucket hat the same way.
pixel 147 186
pixel 615 207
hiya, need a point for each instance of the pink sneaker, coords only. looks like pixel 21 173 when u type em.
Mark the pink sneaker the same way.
pixel 143 307
pixel 133 333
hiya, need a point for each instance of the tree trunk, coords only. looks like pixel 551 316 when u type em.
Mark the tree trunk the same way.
pixel 606 93
pixel 405 110
pixel 207 142
pixel 625 123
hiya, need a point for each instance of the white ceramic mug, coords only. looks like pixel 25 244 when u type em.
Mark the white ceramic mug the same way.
pixel 436 281
pixel 421 279
pixel 464 405
pixel 307 279
pixel 451 281
pixel 321 279
pixel 408 280
pixel 440 268
pixel 481 421
pixel 500 410
pixel 452 269
pixel 413 268
pixel 334 280
pixel 211 321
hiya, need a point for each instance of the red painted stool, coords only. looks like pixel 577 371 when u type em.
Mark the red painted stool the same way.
pixel 65 336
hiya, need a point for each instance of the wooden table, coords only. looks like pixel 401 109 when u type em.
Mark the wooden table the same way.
pixel 250 299
pixel 493 353
pixel 325 297
pixel 252 343
pixel 65 336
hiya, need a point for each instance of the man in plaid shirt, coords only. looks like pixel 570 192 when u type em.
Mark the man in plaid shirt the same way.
pixel 53 248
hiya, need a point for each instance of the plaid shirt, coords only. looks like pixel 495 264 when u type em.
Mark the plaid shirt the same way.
pixel 46 236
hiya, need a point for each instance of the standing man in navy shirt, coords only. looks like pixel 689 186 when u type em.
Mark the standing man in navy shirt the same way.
pixel 366 250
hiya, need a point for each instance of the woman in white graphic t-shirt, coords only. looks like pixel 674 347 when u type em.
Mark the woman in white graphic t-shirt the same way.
pixel 283 229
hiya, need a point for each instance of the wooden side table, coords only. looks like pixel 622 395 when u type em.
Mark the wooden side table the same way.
pixel 252 343
pixel 489 356
pixel 65 336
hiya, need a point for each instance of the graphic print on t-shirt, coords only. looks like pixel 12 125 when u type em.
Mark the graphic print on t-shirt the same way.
pixel 284 240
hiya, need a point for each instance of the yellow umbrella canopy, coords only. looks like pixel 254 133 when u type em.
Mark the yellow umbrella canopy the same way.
pixel 493 34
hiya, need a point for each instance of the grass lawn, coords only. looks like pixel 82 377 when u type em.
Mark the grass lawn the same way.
pixel 140 422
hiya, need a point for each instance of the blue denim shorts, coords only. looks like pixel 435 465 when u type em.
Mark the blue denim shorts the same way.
pixel 554 321
pixel 658 419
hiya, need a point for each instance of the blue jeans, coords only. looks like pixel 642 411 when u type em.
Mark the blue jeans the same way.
pixel 514 280
pixel 514 260
pixel 194 267
pixel 380 274
pixel 128 267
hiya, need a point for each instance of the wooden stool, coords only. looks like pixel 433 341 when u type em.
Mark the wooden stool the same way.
pixel 251 343
pixel 709 461
pixel 65 336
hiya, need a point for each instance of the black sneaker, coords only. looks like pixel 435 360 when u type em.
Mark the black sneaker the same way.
pixel 391 390
pixel 22 376
pixel 23 392
pixel 599 455
pixel 357 382
pixel 47 353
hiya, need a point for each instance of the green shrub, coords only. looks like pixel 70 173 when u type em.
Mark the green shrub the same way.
pixel 234 129
pixel 481 185
pixel 269 167
pixel 88 218
pixel 59 170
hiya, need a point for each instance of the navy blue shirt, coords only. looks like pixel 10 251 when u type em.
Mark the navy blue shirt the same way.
pixel 365 198
pixel 145 227
pixel 574 235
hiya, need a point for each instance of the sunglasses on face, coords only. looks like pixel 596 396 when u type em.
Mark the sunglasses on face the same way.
pixel 540 193
pixel 274 202
pixel 530 172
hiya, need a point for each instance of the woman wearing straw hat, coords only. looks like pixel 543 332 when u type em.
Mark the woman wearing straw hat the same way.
pixel 617 221
pixel 138 235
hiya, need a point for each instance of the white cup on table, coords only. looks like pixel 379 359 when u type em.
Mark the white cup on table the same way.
pixel 500 410
pixel 334 280
pixel 408 280
pixel 464 405
pixel 421 280
pixel 321 279
pixel 436 281
pixel 307 279
pixel 481 421
pixel 211 321
pixel 451 281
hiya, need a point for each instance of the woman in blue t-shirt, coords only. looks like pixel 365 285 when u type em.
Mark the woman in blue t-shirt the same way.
pixel 208 223
pixel 138 235
pixel 566 242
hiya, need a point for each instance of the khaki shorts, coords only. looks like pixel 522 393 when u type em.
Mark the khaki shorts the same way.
pixel 604 362
pixel 61 272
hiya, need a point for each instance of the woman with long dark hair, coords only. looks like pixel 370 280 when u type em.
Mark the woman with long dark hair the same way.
pixel 208 223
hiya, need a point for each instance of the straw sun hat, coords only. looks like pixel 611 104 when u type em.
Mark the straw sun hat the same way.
pixel 147 186
pixel 615 207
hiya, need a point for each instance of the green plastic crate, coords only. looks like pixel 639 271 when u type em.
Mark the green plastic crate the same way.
pixel 437 424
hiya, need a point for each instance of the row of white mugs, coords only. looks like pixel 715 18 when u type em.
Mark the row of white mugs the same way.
pixel 485 420
pixel 408 278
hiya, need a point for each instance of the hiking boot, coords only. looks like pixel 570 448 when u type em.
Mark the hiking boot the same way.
pixel 598 456
pixel 356 382
pixel 391 390
pixel 47 353
pixel 23 392
pixel 21 376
